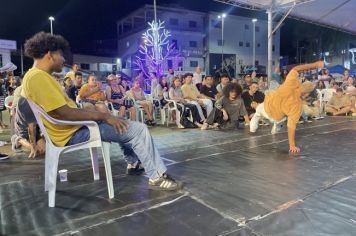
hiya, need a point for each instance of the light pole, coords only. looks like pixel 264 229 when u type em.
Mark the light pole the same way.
pixel 222 17
pixel 51 19
pixel 254 43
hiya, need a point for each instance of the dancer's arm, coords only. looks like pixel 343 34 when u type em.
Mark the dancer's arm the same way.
pixel 291 139
pixel 294 73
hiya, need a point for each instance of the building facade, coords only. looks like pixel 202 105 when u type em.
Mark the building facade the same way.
pixel 198 38
pixel 6 46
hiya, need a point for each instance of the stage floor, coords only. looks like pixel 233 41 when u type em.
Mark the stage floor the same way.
pixel 235 184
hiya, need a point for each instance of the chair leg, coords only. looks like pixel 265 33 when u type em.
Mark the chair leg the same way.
pixel 178 118
pixel 168 117
pixel 95 163
pixel 163 116
pixel 47 160
pixel 52 177
pixel 106 156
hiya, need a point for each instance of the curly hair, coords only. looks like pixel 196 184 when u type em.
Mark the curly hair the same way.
pixel 232 87
pixel 42 43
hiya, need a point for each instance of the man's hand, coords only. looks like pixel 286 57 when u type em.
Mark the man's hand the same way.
pixel 35 151
pixel 294 149
pixel 225 115
pixel 119 125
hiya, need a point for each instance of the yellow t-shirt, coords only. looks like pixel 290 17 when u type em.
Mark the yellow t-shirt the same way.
pixel 86 88
pixel 71 75
pixel 285 101
pixel 41 88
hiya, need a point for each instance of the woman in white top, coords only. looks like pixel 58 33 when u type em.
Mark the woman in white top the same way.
pixel 138 94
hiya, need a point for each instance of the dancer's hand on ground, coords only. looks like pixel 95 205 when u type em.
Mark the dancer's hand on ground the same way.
pixel 119 124
pixel 294 149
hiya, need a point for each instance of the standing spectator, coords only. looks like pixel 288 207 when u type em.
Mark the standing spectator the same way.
pixel 170 77
pixel 228 109
pixel 197 78
pixel 284 76
pixel 71 74
pixel 276 75
pixel 339 104
pixel 115 94
pixel 325 77
pixel 252 98
pixel 154 83
pixel 2 100
pixel 91 95
pixel 208 90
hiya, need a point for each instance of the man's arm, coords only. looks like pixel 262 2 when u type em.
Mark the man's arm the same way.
pixel 73 114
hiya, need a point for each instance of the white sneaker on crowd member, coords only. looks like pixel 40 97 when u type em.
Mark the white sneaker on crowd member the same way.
pixel 198 124
pixel 3 156
pixel 205 126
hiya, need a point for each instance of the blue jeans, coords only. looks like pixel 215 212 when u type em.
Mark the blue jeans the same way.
pixel 137 144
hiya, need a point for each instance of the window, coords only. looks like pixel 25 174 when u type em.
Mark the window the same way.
pixel 256 63
pixel 257 29
pixel 193 63
pixel 241 44
pixel 193 44
pixel 216 24
pixel 85 66
pixel 192 24
pixel 220 42
pixel 258 45
pixel 180 64
pixel 175 43
pixel 247 44
pixel 173 21
pixel 246 27
pixel 273 48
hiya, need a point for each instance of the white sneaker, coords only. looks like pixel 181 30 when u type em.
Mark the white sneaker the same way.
pixel 198 124
pixel 216 125
pixel 276 128
pixel 205 126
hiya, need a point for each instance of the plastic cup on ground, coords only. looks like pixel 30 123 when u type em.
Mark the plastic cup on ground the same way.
pixel 63 175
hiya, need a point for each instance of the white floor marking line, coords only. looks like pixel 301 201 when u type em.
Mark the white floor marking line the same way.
pixel 124 216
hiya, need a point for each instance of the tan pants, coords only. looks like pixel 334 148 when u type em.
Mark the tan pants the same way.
pixel 311 111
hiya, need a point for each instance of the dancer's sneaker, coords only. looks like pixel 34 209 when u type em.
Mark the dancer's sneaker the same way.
pixel 276 128
pixel 164 183
pixel 3 157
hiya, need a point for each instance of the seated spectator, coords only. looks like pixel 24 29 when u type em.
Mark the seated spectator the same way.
pixel 228 109
pixel 192 95
pixel 339 104
pixel 134 137
pixel 115 94
pixel 2 100
pixel 349 87
pixel 27 133
pixel 162 88
pixel 320 85
pixel 176 94
pixel 138 94
pixel 125 85
pixel 208 90
pixel 224 80
pixel 325 77
pixel 246 82
pixel 353 106
pixel 67 84
pixel 252 98
pixel 73 92
pixel 91 95
pixel 311 103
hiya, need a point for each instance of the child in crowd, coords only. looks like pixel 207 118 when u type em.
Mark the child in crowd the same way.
pixel 91 95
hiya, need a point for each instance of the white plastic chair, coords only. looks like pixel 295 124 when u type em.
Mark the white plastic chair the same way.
pixel 172 106
pixel 113 111
pixel 139 109
pixel 53 152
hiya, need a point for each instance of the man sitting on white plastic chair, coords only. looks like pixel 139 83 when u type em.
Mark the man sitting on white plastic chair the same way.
pixel 40 87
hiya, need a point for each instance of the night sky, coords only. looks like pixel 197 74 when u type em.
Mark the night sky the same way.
pixel 82 21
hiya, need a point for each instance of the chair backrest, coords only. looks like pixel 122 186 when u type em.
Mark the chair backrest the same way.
pixel 8 102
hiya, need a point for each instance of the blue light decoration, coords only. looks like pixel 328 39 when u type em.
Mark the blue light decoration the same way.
pixel 155 49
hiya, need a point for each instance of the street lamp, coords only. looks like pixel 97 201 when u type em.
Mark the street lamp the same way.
pixel 51 19
pixel 222 17
pixel 254 43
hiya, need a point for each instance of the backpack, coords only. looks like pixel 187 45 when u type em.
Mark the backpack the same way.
pixel 184 120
